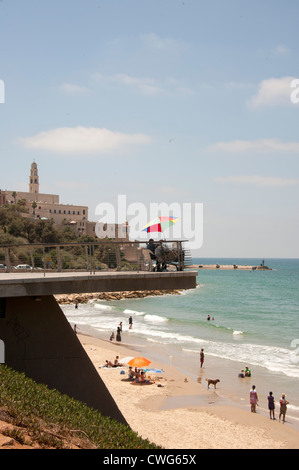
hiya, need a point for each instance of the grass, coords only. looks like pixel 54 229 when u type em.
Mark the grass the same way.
pixel 54 420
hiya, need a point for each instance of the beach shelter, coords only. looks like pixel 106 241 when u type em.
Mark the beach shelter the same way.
pixel 159 224
pixel 139 362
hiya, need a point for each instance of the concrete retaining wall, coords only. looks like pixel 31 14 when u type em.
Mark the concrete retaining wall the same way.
pixel 40 342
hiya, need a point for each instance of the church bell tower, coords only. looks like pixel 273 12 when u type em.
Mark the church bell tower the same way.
pixel 33 179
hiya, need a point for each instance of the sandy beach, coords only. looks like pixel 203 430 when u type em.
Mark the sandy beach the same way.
pixel 178 412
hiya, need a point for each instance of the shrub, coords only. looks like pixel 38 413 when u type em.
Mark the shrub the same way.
pixel 29 402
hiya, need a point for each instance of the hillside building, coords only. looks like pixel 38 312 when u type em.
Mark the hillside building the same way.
pixel 47 206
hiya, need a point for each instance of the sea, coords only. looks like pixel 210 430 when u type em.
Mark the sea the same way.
pixel 254 322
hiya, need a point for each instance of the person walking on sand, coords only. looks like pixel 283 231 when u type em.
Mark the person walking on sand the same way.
pixel 201 358
pixel 253 399
pixel 271 405
pixel 283 407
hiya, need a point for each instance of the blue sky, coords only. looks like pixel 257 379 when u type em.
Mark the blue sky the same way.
pixel 162 101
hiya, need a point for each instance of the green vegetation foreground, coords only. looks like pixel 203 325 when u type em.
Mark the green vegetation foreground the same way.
pixel 41 411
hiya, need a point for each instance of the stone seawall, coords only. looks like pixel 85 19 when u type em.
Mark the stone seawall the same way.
pixel 84 298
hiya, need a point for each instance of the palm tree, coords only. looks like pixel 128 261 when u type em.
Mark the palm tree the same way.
pixel 33 205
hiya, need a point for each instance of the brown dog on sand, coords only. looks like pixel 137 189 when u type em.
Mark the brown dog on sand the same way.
pixel 212 382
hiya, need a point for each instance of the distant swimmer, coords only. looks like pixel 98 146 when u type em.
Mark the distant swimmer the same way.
pixel 208 317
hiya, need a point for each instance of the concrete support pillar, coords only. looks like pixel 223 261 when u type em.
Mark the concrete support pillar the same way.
pixel 40 342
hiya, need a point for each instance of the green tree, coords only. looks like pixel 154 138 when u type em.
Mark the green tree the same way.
pixel 29 230
pixel 21 205
pixel 33 205
pixel 67 235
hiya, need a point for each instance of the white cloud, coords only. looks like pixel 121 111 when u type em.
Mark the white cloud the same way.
pixel 281 50
pixel 272 92
pixel 73 89
pixel 83 140
pixel 259 145
pixel 145 85
pixel 256 180
pixel 166 44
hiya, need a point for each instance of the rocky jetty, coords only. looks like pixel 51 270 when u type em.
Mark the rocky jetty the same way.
pixel 84 298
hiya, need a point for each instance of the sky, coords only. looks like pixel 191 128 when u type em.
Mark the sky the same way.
pixel 179 103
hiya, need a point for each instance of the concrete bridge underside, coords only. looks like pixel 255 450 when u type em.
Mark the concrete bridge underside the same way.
pixel 40 342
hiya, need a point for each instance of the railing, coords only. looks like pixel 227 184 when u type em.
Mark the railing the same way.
pixel 104 255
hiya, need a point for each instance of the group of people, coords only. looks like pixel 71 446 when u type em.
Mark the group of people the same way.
pixel 135 375
pixel 138 376
pixel 120 329
pixel 245 373
pixel 283 402
pixel 116 363
pixel 158 252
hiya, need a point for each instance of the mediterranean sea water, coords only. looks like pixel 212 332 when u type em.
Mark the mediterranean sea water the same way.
pixel 254 322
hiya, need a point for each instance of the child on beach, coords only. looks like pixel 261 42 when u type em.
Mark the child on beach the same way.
pixel 202 357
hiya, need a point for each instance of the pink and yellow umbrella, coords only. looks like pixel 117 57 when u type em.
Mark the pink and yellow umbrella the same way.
pixel 159 224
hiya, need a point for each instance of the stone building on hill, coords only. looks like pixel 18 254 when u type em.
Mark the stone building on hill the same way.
pixel 47 206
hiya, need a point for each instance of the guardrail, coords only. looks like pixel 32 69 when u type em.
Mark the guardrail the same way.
pixel 104 255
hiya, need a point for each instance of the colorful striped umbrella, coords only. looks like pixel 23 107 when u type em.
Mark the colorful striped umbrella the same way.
pixel 159 224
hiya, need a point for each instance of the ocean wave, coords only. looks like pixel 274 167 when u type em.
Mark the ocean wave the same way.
pixel 189 291
pixel 274 359
pixel 166 337
pixel 293 408
pixel 103 306
pixel 155 318
pixel 133 312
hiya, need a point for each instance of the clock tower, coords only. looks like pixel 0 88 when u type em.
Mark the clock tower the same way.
pixel 33 179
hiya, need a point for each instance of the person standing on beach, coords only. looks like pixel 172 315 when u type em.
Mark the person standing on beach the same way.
pixel 271 405
pixel 253 399
pixel 118 335
pixel 201 358
pixel 130 322
pixel 283 407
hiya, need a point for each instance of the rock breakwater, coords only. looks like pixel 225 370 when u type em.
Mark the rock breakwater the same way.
pixel 85 298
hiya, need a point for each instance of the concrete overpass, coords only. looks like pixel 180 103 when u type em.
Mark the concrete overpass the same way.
pixel 40 342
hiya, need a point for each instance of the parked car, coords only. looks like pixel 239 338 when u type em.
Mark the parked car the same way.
pixel 2 266
pixel 23 266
